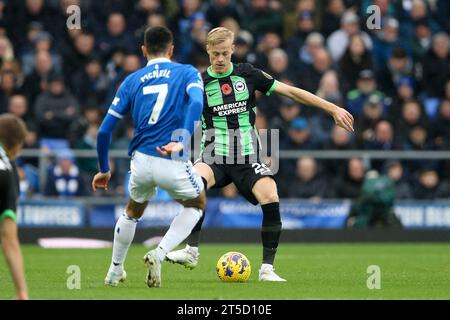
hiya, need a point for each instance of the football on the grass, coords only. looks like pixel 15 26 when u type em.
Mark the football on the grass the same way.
pixel 233 267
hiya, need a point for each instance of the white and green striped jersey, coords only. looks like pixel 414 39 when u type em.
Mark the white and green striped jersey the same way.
pixel 230 109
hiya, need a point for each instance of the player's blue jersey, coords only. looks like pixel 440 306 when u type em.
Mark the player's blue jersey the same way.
pixel 157 97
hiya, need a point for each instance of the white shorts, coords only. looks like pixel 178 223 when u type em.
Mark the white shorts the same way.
pixel 178 178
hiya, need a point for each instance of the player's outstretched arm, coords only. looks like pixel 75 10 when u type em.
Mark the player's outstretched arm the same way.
pixel 102 178
pixel 341 116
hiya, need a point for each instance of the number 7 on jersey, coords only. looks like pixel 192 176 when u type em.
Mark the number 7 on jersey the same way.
pixel 161 90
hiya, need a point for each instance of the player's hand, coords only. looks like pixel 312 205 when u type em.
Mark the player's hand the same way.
pixel 170 148
pixel 343 119
pixel 101 180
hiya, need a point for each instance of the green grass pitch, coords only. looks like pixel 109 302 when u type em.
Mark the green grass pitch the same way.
pixel 313 271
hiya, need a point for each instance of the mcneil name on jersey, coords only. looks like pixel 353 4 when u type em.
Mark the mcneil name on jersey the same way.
pixel 163 73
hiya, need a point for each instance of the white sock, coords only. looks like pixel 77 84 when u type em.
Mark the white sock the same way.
pixel 180 228
pixel 266 266
pixel 123 236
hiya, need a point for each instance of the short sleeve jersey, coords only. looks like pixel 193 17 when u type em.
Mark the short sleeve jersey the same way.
pixel 230 109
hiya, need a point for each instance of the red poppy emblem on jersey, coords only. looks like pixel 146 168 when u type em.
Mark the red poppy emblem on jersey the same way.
pixel 226 88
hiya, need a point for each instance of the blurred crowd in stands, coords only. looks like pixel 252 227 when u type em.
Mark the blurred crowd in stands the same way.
pixel 395 80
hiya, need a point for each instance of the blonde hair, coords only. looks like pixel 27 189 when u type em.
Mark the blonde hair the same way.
pixel 8 54
pixel 219 35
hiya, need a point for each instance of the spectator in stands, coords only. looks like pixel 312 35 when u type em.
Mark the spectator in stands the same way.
pixel 374 207
pixel 386 41
pixel 75 58
pixel 243 46
pixel 402 185
pixel 199 35
pixel 31 142
pixel 37 81
pixel 90 83
pixel 420 43
pixel 217 10
pixel 411 116
pixel 296 44
pixel 331 17
pixel 152 20
pixel 64 179
pixel 142 10
pixel 310 79
pixel 14 66
pixel 25 186
pixel 88 166
pixel 339 139
pixel 356 58
pixel 56 109
pixel 116 35
pixel 442 13
pixel 308 182
pixel 366 123
pixel 418 13
pixel 418 139
pixel 429 186
pixel 299 136
pixel 90 114
pixel 321 124
pixel 130 63
pixel 399 66
pixel 279 66
pixel 122 143
pixel 6 50
pixel 348 185
pixel 314 42
pixel 338 41
pixel 228 23
pixel 404 92
pixel 303 17
pixel 382 139
pixel 366 86
pixel 25 12
pixel 42 42
pixel 8 88
pixel 18 105
pixel 441 129
pixel 182 25
pixel 288 111
pixel 436 66
pixel 260 18
pixel 268 42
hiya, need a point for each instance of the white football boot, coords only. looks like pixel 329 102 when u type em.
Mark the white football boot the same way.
pixel 187 257
pixel 113 278
pixel 267 273
pixel 153 278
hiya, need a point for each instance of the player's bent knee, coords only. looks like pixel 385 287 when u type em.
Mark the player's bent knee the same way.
pixel 265 191
pixel 135 209
pixel 271 198
pixel 199 202
pixel 206 173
